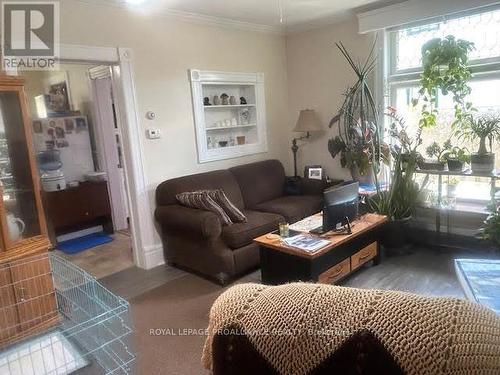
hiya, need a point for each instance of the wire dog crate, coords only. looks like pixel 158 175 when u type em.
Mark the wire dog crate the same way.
pixel 58 319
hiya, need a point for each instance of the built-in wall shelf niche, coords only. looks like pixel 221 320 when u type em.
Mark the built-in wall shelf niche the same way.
pixel 229 114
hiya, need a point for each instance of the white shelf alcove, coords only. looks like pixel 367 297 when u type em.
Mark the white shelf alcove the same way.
pixel 225 131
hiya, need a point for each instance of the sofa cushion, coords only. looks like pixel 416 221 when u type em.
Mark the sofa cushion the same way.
pixel 221 179
pixel 229 208
pixel 258 223
pixel 260 182
pixel 293 207
pixel 202 200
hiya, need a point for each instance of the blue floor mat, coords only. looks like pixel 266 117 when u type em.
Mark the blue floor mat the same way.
pixel 83 243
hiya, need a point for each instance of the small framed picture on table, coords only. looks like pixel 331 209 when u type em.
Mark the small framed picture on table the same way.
pixel 314 172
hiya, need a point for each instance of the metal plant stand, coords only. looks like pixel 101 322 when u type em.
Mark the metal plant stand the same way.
pixel 494 176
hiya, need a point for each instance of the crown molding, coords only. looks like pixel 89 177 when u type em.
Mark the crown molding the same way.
pixel 321 23
pixel 195 17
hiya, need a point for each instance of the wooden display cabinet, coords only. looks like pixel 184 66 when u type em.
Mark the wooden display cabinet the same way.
pixel 27 298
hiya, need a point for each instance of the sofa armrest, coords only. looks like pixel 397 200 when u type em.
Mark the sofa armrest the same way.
pixel 177 219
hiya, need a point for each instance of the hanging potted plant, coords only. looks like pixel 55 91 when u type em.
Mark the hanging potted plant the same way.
pixel 358 142
pixel 446 71
pixel 484 128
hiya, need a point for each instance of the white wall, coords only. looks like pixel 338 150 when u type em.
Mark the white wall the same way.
pixel 164 49
pixel 318 75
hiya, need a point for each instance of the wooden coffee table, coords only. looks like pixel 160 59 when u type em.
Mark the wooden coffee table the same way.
pixel 346 253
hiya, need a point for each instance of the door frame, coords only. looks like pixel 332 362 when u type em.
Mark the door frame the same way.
pixel 141 215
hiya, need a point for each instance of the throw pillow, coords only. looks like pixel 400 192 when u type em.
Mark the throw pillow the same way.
pixel 231 210
pixel 202 200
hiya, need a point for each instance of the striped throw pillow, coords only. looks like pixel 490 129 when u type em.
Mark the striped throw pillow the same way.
pixel 231 210
pixel 202 200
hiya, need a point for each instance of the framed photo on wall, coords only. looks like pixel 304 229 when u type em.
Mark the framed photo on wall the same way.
pixel 314 172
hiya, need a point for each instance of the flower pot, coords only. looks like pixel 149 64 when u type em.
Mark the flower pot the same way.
pixel 455 165
pixel 365 179
pixel 482 163
pixel 396 234
pixel 451 191
pixel 431 165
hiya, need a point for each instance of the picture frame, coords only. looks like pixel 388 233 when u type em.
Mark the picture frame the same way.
pixel 313 172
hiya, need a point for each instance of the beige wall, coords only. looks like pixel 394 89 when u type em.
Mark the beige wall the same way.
pixel 317 77
pixel 164 49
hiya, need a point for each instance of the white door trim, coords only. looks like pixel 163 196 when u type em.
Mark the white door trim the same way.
pixel 107 144
pixel 146 254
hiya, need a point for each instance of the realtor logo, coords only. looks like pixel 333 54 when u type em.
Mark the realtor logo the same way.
pixel 30 35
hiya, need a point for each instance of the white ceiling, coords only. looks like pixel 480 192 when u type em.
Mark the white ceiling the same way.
pixel 297 14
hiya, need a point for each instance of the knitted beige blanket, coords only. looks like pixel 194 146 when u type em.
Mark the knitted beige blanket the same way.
pixel 297 326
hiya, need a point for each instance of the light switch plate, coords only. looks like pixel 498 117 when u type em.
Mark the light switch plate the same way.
pixel 153 133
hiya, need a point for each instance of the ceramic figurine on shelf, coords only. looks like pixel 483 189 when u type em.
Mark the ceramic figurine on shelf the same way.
pixel 216 100
pixel 232 100
pixel 244 116
pixel 206 101
pixel 243 101
pixel 225 99
pixel 234 121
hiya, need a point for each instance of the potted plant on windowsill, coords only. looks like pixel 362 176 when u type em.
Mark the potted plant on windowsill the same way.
pixel 358 141
pixel 485 127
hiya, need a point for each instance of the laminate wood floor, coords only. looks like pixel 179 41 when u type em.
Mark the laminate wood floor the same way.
pixel 104 260
pixel 418 270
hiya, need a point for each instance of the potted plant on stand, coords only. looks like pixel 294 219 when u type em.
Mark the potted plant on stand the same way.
pixel 483 127
pixel 436 153
pixel 358 141
pixel 456 158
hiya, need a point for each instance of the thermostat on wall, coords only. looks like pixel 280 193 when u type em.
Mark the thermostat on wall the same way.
pixel 153 133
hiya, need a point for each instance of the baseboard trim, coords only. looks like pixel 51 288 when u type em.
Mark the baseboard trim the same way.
pixel 153 256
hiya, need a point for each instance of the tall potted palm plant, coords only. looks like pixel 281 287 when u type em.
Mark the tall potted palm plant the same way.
pixel 358 141
pixel 485 127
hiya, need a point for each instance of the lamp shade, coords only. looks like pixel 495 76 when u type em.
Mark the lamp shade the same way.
pixel 307 122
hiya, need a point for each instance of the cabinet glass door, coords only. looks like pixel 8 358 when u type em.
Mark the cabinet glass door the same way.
pixel 21 219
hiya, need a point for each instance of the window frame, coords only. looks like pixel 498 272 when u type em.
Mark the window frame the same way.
pixel 477 65
pixel 482 69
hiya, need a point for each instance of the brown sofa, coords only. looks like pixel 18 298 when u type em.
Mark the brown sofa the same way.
pixel 196 240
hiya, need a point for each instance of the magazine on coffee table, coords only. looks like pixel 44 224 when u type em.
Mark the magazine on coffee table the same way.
pixel 306 243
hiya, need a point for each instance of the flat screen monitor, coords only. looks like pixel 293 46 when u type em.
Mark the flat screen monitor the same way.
pixel 340 205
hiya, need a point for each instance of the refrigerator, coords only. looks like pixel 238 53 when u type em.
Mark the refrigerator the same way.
pixel 71 136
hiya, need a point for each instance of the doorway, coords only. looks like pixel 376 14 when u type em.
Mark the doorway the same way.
pixel 75 116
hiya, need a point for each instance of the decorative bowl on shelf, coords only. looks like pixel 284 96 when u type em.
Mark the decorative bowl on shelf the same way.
pixel 222 143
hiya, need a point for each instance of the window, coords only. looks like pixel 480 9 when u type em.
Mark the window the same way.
pixel 404 72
